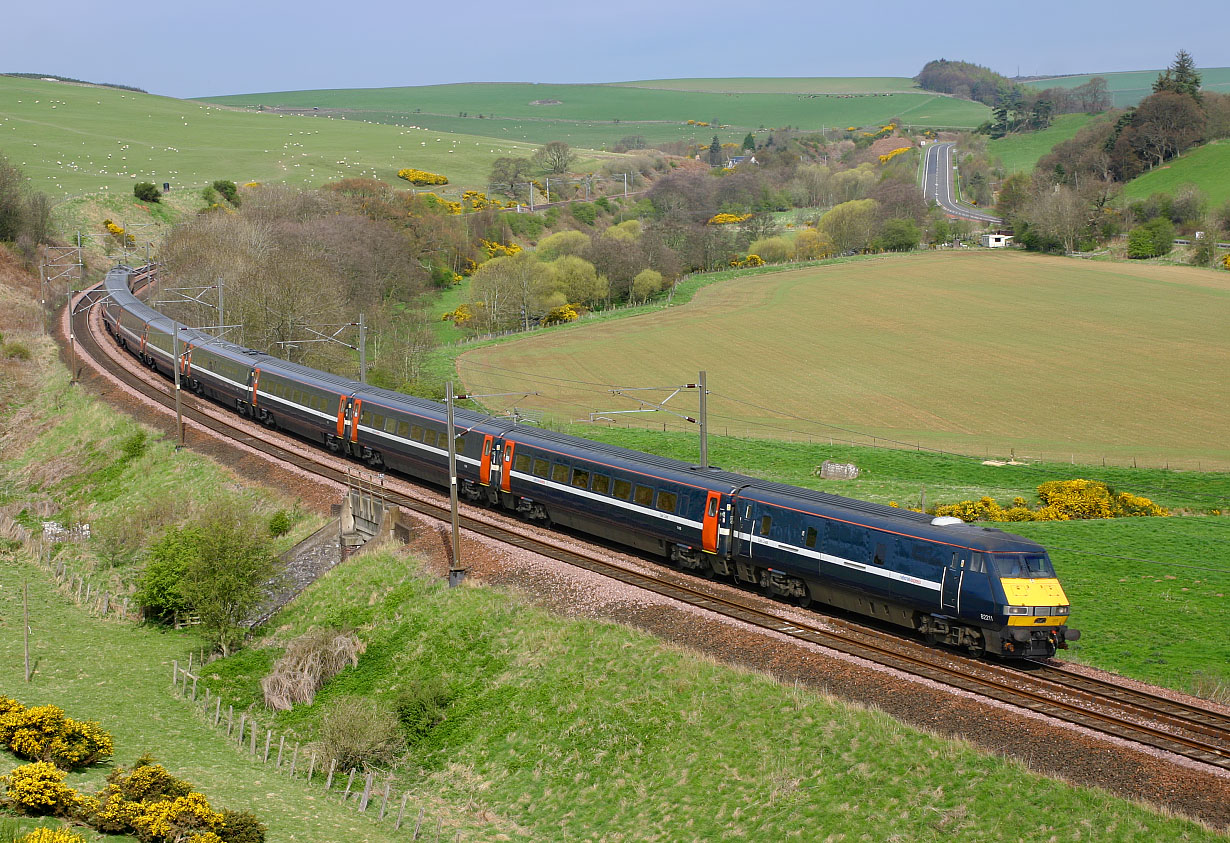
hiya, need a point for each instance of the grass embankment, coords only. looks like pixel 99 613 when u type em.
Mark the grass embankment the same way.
pixel 73 139
pixel 576 729
pixel 1147 593
pixel 1128 88
pixel 599 115
pixel 1207 167
pixel 981 353
pixel 1020 152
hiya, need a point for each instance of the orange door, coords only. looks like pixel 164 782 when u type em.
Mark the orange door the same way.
pixel 709 530
pixel 354 420
pixel 256 383
pixel 509 448
pixel 484 467
pixel 341 416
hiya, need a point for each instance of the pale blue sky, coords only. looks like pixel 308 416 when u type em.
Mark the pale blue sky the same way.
pixel 204 47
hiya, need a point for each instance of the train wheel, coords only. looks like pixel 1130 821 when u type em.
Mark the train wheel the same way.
pixel 803 601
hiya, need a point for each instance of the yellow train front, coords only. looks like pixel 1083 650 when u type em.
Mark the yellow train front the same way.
pixel 1031 614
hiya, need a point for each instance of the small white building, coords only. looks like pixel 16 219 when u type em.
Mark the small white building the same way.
pixel 997 240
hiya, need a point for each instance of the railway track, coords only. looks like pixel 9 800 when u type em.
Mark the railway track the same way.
pixel 1105 707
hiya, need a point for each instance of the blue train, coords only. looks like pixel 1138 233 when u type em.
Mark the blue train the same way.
pixel 969 587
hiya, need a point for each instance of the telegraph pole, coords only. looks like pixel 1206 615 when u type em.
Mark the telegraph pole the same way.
pixel 179 418
pixel 455 572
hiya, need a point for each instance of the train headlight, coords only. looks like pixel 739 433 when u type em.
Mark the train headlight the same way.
pixel 1016 610
pixel 1061 610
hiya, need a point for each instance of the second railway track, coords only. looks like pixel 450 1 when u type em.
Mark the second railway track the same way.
pixel 1127 713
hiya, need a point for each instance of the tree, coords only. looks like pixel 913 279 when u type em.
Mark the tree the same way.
pixel 645 284
pixel 510 176
pixel 147 191
pixel 715 152
pixel 562 243
pixel 1060 214
pixel 576 280
pixel 899 235
pixel 506 292
pixel 554 157
pixel 812 245
pixel 749 142
pixel 1153 239
pixel 852 225
pixel 1180 78
pixel 227 188
pixel 1167 123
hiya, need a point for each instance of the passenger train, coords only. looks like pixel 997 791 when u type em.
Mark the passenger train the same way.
pixel 971 587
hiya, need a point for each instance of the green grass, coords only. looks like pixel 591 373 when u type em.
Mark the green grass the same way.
pixel 984 353
pixel 1019 153
pixel 577 729
pixel 1207 167
pixel 73 139
pixel 782 85
pixel 596 115
pixel 1128 88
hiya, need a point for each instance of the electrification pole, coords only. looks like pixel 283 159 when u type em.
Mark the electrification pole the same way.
pixel 179 418
pixel 455 572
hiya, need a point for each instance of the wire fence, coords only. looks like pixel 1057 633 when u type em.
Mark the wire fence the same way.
pixel 369 792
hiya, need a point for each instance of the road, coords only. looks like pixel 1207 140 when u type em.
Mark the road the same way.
pixel 937 185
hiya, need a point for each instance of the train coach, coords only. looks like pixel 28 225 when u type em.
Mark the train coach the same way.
pixel 965 586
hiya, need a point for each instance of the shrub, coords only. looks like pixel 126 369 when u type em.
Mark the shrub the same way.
pixel 17 351
pixel 358 732
pixel 773 249
pixel 44 733
pixel 134 446
pixel 421 707
pixel 51 835
pixel 228 190
pixel 1153 239
pixel 584 212
pixel 39 788
pixel 242 827
pixel 147 191
pixel 280 523
pixel 421 178
pixel 309 662
pixel 645 284
pixel 1061 500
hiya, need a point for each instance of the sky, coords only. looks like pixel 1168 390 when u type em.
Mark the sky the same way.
pixel 190 49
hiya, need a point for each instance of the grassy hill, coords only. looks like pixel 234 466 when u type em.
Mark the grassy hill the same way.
pixel 978 353
pixel 1206 166
pixel 783 85
pixel 73 139
pixel 593 115
pixel 1020 152
pixel 1130 87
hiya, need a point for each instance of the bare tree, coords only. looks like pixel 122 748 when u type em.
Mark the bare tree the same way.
pixel 554 157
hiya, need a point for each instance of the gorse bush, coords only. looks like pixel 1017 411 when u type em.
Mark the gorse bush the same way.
pixel 422 178
pixel 421 707
pixel 39 788
pixel 147 191
pixel 1060 500
pixel 45 733
pixel 51 835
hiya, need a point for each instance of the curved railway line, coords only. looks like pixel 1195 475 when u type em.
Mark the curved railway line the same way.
pixel 1048 689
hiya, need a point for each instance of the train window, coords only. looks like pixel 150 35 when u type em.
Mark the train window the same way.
pixel 623 490
pixel 976 564
pixel 403 429
pixel 643 495
pixel 667 501
pixel 602 484
pixel 390 425
pixel 766 522
pixel 522 463
pixel 364 417
pixel 459 443
pixel 559 473
pixel 541 468
pixel 580 478
pixel 810 538
pixel 486 447
pixel 713 507
pixel 881 554
pixel 378 421
pixel 431 437
pixel 416 433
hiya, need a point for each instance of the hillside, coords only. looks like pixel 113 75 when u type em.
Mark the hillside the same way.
pixel 1130 87
pixel 71 139
pixel 1020 152
pixel 1206 166
pixel 594 115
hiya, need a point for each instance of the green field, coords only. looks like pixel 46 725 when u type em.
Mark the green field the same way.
pixel 587 114
pixel 1129 87
pixel 783 85
pixel 1020 152
pixel 980 353
pixel 74 139
pixel 1206 166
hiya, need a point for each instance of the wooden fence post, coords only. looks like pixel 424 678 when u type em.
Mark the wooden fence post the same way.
pixel 384 800
pixel 367 790
pixel 294 759
pixel 217 710
pixel 311 767
pixel 417 824
pixel 401 811
pixel 281 746
pixel 230 719
pixel 243 718
pixel 194 688
pixel 349 782
pixel 329 780
pixel 268 738
pixel 252 740
pixel 174 673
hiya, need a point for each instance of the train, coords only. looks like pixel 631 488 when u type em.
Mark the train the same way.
pixel 975 588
